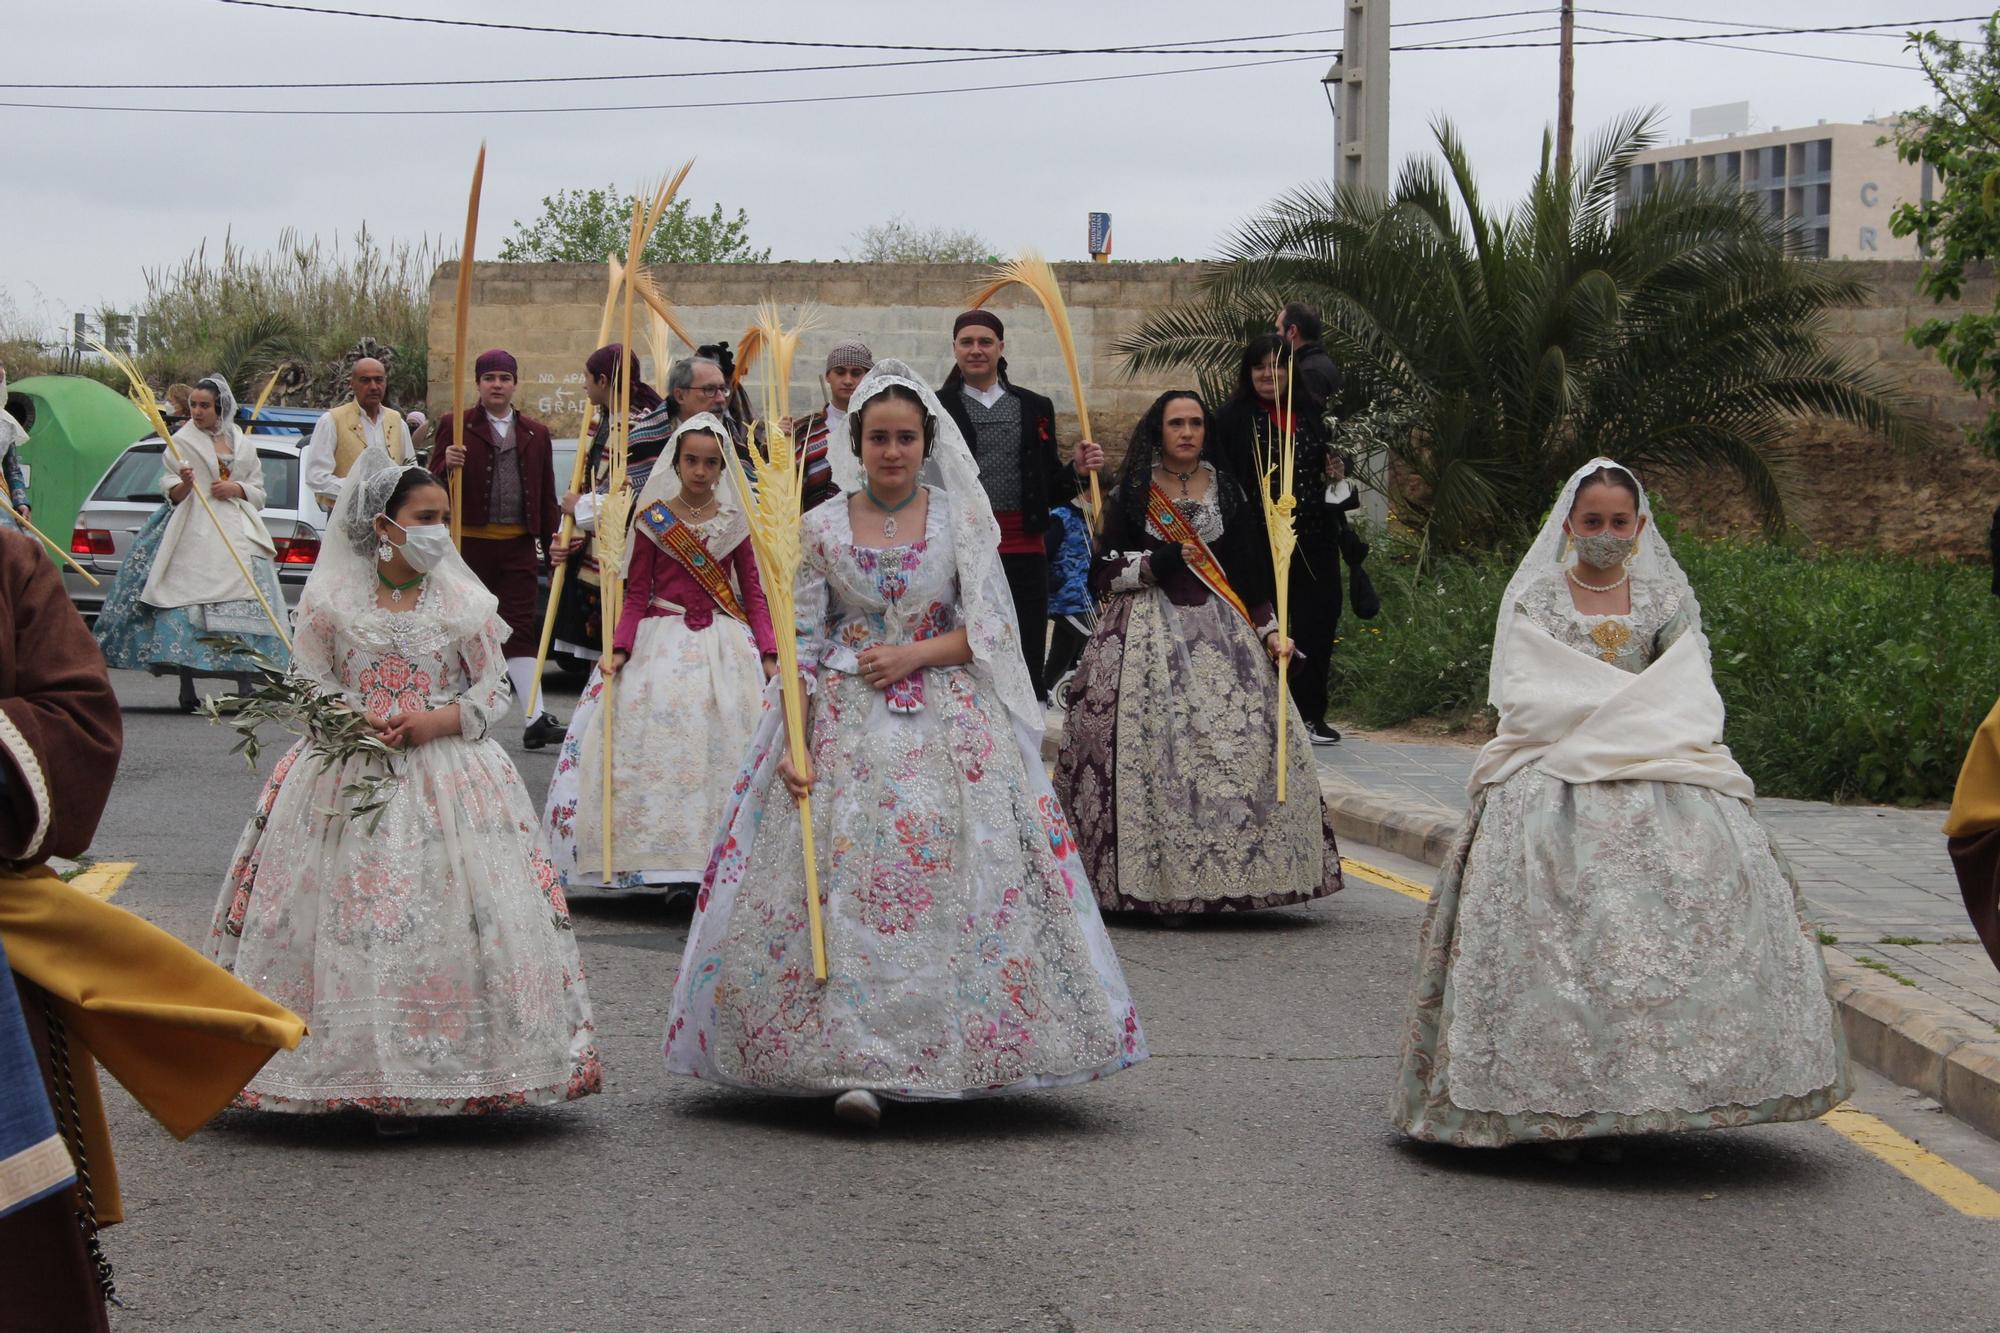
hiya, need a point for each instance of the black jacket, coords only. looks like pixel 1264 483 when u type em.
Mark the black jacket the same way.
pixel 1046 480
pixel 1242 429
pixel 1318 378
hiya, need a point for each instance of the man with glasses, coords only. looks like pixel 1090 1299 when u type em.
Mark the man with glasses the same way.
pixel 339 436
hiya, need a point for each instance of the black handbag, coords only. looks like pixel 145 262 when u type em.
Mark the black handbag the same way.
pixel 1361 596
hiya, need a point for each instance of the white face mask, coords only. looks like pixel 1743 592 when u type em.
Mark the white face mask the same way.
pixel 424 545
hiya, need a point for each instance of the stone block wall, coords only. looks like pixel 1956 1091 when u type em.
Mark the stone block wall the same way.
pixel 1846 488
pixel 1849 489
pixel 547 315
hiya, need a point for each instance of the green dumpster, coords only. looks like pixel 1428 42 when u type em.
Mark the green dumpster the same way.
pixel 76 429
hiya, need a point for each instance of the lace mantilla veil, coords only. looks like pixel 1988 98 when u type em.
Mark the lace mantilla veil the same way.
pixel 1652 563
pixel 343 580
pixel 664 484
pixel 984 600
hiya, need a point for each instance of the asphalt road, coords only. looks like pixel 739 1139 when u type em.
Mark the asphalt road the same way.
pixel 1244 1178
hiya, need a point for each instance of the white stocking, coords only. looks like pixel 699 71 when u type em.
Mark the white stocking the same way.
pixel 521 675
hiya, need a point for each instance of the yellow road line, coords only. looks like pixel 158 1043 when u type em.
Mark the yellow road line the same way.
pixel 1388 879
pixel 103 879
pixel 1969 1195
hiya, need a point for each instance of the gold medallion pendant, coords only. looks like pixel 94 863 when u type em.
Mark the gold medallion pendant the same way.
pixel 1610 636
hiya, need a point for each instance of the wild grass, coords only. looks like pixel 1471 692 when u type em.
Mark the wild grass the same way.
pixel 307 302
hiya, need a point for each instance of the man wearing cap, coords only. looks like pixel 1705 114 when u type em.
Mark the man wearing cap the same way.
pixel 1012 435
pixel 845 366
pixel 339 436
pixel 508 468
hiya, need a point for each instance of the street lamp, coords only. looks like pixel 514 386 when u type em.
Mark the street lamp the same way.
pixel 1329 83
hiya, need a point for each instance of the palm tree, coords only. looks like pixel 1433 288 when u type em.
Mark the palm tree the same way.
pixel 1497 353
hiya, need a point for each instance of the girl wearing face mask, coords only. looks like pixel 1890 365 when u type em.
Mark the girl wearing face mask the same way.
pixel 179 590
pixel 1169 761
pixel 431 953
pixel 693 648
pixel 1614 946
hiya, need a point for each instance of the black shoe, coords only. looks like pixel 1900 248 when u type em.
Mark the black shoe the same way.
pixel 1322 734
pixel 541 731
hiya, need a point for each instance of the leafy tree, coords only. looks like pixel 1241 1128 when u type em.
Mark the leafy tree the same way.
pixel 1496 352
pixel 587 226
pixel 1959 226
pixel 897 242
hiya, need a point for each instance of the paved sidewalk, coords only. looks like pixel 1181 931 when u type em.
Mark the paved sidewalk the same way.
pixel 1877 878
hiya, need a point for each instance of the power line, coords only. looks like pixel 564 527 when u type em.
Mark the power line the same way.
pixel 656 106
pixel 1641 39
pixel 1766 50
pixel 493 25
pixel 307 86
pixel 1859 30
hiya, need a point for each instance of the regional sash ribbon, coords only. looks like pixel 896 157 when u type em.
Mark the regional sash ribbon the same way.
pixel 1205 566
pixel 683 543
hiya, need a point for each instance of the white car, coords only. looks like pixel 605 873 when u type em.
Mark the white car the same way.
pixel 120 504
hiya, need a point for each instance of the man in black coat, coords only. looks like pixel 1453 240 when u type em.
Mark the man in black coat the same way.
pixel 1012 435
pixel 1316 378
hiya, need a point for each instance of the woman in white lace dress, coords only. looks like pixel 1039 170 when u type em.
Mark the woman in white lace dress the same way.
pixel 964 949
pixel 1169 760
pixel 1614 946
pixel 431 955
pixel 692 650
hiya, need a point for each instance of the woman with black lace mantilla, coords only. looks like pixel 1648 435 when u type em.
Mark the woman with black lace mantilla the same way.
pixel 1169 761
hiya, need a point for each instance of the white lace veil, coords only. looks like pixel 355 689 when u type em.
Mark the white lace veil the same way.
pixel 984 600
pixel 225 398
pixel 664 484
pixel 1551 554
pixel 343 579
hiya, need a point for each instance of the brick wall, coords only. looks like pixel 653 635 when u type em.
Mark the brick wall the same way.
pixel 1846 488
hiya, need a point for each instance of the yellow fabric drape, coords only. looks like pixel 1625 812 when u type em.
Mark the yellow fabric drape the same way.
pixel 1975 803
pixel 179 1033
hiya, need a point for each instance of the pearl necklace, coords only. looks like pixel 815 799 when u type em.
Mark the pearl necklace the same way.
pixel 1613 586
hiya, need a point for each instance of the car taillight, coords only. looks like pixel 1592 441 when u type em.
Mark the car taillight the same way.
pixel 296 550
pixel 92 541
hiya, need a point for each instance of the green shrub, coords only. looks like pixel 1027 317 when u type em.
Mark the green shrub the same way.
pixel 1846 676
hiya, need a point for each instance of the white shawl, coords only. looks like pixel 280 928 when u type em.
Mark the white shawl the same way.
pixel 1585 720
pixel 193 567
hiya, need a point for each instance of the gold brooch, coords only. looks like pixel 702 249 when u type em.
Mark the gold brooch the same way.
pixel 1610 636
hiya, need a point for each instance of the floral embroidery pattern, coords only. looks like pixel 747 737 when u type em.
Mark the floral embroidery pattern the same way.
pixel 394 685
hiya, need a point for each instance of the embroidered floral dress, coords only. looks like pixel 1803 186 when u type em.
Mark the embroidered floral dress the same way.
pixel 1169 761
pixel 965 952
pixel 688 702
pixel 1613 957
pixel 432 957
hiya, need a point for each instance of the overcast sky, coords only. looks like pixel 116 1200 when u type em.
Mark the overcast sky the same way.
pixel 97 197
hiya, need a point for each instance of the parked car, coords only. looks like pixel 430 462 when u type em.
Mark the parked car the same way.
pixel 130 491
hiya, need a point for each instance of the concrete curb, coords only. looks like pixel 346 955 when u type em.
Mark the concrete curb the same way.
pixel 1896 1030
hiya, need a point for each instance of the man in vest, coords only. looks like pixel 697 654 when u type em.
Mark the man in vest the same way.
pixel 507 464
pixel 1012 434
pixel 339 436
pixel 813 435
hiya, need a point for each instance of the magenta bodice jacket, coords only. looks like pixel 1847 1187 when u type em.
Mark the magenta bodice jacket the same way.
pixel 659 585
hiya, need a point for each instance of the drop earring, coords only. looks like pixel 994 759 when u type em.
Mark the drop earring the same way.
pixel 384 552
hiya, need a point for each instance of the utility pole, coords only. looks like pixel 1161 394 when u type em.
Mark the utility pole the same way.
pixel 1357 87
pixel 1566 91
